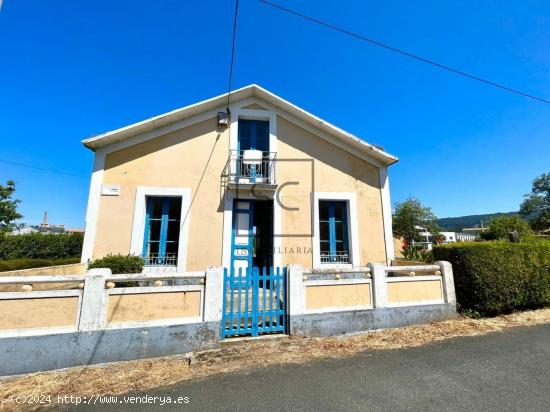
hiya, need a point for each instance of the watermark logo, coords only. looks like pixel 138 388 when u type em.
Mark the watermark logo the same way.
pixel 262 183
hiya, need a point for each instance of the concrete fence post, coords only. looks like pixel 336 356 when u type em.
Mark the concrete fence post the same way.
pixel 296 293
pixel 92 308
pixel 448 281
pixel 213 294
pixel 379 285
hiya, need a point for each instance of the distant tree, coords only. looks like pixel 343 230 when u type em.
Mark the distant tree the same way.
pixel 512 227
pixel 409 215
pixel 537 203
pixel 8 208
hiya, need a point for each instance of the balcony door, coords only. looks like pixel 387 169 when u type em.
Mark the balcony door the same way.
pixel 253 135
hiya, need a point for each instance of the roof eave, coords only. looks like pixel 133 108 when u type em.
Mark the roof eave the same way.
pixel 144 126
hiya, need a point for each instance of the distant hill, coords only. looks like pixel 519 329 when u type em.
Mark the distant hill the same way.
pixel 460 222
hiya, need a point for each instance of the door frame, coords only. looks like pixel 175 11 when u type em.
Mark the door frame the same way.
pixel 227 240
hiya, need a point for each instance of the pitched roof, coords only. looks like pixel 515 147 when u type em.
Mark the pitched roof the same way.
pixel 219 102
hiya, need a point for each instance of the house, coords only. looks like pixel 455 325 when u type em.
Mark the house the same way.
pixel 427 239
pixel 25 230
pixel 201 191
pixel 267 185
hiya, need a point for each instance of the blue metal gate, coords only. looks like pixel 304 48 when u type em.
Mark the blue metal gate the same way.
pixel 254 301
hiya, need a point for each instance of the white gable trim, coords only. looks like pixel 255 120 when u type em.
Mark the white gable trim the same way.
pixel 248 95
pixel 236 111
pixel 162 130
pixel 316 131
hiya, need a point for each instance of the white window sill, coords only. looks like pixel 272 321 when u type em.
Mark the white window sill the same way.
pixel 159 269
pixel 333 266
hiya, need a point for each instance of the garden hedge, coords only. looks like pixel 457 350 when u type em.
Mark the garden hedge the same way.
pixel 17 264
pixel 499 277
pixel 119 264
pixel 41 246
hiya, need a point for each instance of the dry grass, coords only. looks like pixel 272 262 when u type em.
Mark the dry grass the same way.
pixel 122 377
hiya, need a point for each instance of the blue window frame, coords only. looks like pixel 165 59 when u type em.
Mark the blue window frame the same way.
pixel 162 229
pixel 333 231
pixel 253 134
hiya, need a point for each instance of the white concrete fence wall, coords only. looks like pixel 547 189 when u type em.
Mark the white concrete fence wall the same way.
pixel 98 321
pixel 94 303
pixel 373 297
pixel 196 297
pixel 381 287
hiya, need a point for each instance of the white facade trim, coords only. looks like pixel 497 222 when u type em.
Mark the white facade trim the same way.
pixel 148 290
pixel 416 303
pixel 41 294
pixel 229 196
pixel 353 229
pixel 397 279
pixel 9 333
pixel 218 103
pixel 386 213
pixel 138 225
pixel 157 322
pixel 237 112
pixel 334 282
pixel 92 211
pixel 338 309
pixel 277 233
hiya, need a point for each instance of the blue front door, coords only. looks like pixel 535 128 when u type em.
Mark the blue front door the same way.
pixel 242 242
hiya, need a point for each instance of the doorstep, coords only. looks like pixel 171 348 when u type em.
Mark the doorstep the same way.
pixel 244 339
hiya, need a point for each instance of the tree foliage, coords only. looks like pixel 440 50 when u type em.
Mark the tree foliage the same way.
pixel 409 215
pixel 537 203
pixel 508 227
pixel 8 207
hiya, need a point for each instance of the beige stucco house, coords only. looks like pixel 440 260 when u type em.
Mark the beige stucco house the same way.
pixel 268 185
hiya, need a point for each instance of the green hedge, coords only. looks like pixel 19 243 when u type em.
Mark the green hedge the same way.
pixel 499 277
pixel 17 264
pixel 41 246
pixel 119 264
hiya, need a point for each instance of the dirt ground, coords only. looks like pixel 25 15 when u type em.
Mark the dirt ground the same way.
pixel 121 377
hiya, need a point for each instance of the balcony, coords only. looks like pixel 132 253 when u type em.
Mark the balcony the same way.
pixel 250 167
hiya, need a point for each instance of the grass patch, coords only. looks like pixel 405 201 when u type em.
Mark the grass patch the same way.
pixel 122 377
pixel 17 264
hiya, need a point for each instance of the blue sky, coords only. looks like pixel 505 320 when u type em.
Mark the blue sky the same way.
pixel 69 70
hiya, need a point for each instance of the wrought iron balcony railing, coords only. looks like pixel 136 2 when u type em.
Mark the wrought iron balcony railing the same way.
pixel 336 257
pixel 250 167
pixel 170 259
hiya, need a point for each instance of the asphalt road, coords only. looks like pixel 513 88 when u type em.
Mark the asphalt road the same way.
pixel 507 371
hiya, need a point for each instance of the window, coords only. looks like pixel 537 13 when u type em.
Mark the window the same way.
pixel 253 134
pixel 162 231
pixel 333 232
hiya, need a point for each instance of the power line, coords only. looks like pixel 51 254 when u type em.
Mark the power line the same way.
pixel 232 52
pixel 403 52
pixel 43 169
